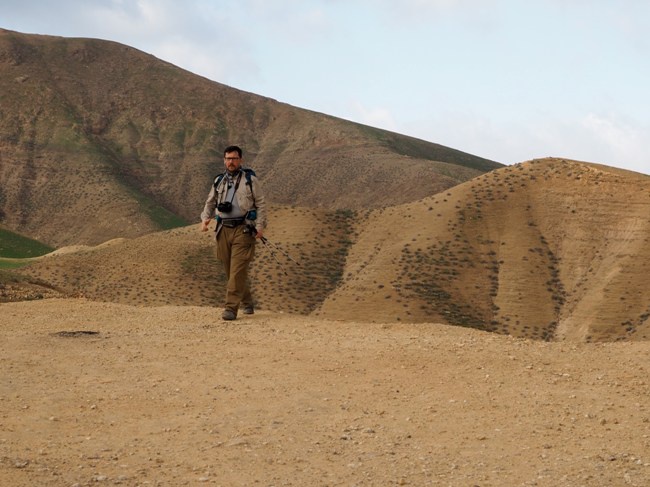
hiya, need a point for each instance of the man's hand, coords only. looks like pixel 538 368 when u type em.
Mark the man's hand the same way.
pixel 204 225
pixel 259 234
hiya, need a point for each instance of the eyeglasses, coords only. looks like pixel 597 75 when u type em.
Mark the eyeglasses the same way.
pixel 232 158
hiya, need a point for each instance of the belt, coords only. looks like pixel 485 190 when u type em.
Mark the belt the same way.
pixel 232 222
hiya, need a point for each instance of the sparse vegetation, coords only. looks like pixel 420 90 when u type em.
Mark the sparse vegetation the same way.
pixel 134 141
pixel 124 153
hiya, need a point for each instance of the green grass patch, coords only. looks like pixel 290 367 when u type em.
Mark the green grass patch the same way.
pixel 163 218
pixel 422 149
pixel 13 264
pixel 16 246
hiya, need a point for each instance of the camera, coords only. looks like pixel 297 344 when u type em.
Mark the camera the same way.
pixel 224 207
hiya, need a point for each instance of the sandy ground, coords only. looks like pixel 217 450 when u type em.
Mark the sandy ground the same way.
pixel 174 396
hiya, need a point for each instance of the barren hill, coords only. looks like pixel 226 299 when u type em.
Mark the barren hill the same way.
pixel 99 140
pixel 549 249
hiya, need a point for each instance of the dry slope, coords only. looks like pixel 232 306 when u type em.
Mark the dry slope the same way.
pixel 550 249
pixel 99 140
pixel 179 266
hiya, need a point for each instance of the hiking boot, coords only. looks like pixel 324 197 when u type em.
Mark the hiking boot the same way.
pixel 228 315
pixel 248 309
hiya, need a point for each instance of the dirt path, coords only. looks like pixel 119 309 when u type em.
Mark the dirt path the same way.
pixel 173 396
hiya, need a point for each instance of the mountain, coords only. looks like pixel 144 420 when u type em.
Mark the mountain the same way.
pixel 549 249
pixel 99 140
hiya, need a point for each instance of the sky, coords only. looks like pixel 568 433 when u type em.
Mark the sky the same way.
pixel 508 80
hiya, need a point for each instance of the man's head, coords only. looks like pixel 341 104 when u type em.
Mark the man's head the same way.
pixel 232 158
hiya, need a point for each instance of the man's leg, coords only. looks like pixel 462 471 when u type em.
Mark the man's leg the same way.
pixel 223 251
pixel 224 246
pixel 247 299
pixel 241 254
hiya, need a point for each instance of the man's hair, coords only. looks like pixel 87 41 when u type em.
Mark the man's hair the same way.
pixel 232 148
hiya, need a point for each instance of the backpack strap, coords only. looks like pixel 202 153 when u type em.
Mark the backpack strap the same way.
pixel 249 173
pixel 217 180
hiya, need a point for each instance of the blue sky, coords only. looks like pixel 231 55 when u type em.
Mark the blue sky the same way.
pixel 509 80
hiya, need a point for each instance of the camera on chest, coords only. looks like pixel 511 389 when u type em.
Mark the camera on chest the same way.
pixel 224 207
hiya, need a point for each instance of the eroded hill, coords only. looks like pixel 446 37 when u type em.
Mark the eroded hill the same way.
pixel 549 249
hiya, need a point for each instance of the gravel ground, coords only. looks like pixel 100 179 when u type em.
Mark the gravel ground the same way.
pixel 106 394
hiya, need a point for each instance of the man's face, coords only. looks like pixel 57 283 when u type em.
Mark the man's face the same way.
pixel 232 161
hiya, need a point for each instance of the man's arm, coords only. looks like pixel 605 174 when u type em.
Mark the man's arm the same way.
pixel 208 210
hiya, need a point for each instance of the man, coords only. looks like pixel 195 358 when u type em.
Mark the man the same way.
pixel 237 200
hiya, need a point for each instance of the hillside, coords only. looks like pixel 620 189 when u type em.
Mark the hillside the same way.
pixel 178 267
pixel 99 141
pixel 549 249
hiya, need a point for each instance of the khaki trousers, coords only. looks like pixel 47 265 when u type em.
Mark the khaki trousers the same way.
pixel 235 249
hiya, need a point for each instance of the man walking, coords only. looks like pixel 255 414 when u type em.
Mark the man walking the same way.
pixel 237 201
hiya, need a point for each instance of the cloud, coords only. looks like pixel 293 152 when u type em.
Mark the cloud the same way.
pixel 622 144
pixel 431 6
pixel 379 117
pixel 195 35
pixel 592 138
pixel 421 11
pixel 290 20
pixel 214 63
pixel 605 139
